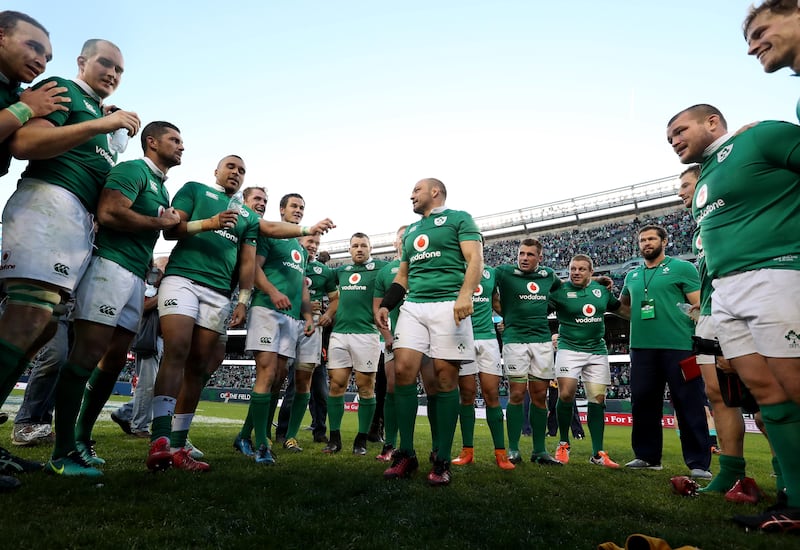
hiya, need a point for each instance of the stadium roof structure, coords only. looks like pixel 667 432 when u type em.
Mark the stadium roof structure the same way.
pixel 615 203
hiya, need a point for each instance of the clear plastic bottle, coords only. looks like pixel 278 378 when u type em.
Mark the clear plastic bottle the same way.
pixel 119 138
pixel 687 309
pixel 236 203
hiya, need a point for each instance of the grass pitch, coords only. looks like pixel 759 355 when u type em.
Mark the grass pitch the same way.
pixel 311 500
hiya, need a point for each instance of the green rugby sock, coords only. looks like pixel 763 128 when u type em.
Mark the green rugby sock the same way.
pixel 449 405
pixel 259 412
pixel 467 418
pixel 538 418
pixel 273 405
pixel 783 427
pixel 515 416
pixel 564 416
pixel 366 411
pixel 69 391
pixel 596 421
pixel 335 412
pixel 406 403
pixel 494 417
pixel 297 413
pixel 97 391
pixel 731 469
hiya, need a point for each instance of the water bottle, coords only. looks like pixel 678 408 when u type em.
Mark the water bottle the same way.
pixel 119 138
pixel 687 310
pixel 236 203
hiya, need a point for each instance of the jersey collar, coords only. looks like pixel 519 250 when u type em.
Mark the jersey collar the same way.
pixel 711 149
pixel 156 170
pixel 88 90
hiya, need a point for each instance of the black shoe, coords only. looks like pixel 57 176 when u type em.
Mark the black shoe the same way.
pixel 3 418
pixel 334 444
pixel 360 445
pixel 9 483
pixel 320 438
pixel 375 434
pixel 124 424
pixel 545 459
pixel 432 457
pixel 774 520
pixel 10 464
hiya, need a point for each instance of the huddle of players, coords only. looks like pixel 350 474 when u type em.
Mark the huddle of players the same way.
pixel 63 128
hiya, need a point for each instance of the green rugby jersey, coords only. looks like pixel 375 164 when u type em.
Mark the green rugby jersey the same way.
pixel 581 316
pixel 431 247
pixel 382 283
pixel 83 169
pixel 482 324
pixel 523 299
pixel 320 280
pixel 356 290
pixel 747 199
pixel 144 186
pixel 706 288
pixel 9 94
pixel 209 258
pixel 285 267
pixel 667 284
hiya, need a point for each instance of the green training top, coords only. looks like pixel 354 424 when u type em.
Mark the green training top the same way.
pixel 581 316
pixel 667 284
pixel 83 169
pixel 356 290
pixel 523 299
pixel 432 249
pixel 208 258
pixel 285 267
pixel 747 201
pixel 137 181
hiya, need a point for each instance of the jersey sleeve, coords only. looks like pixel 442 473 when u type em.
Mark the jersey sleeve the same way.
pixel 691 278
pixel 184 199
pixel 779 142
pixel 128 179
pixel 59 118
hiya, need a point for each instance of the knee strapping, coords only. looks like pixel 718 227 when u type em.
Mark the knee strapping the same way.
pixel 32 295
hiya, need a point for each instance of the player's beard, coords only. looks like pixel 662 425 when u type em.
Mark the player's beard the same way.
pixel 654 253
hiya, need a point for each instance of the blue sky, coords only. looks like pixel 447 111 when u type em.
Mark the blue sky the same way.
pixel 510 103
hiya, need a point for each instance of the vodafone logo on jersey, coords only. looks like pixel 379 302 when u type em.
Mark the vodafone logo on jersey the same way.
pixel 308 282
pixel 533 288
pixel 589 310
pixel 479 290
pixel 296 256
pixel 701 197
pixel 421 243
pixel 698 243
pixel 354 279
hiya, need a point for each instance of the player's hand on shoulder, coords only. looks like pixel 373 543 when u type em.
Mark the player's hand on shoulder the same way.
pixel 46 99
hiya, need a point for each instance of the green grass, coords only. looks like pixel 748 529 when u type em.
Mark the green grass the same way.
pixel 311 500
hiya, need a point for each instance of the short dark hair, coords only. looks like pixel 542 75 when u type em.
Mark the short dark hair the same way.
pixel 693 169
pixel 156 129
pixel 90 46
pixel 662 233
pixel 250 190
pixel 10 18
pixel 532 242
pixel 781 7
pixel 701 110
pixel 287 196
pixel 360 235
pixel 583 258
